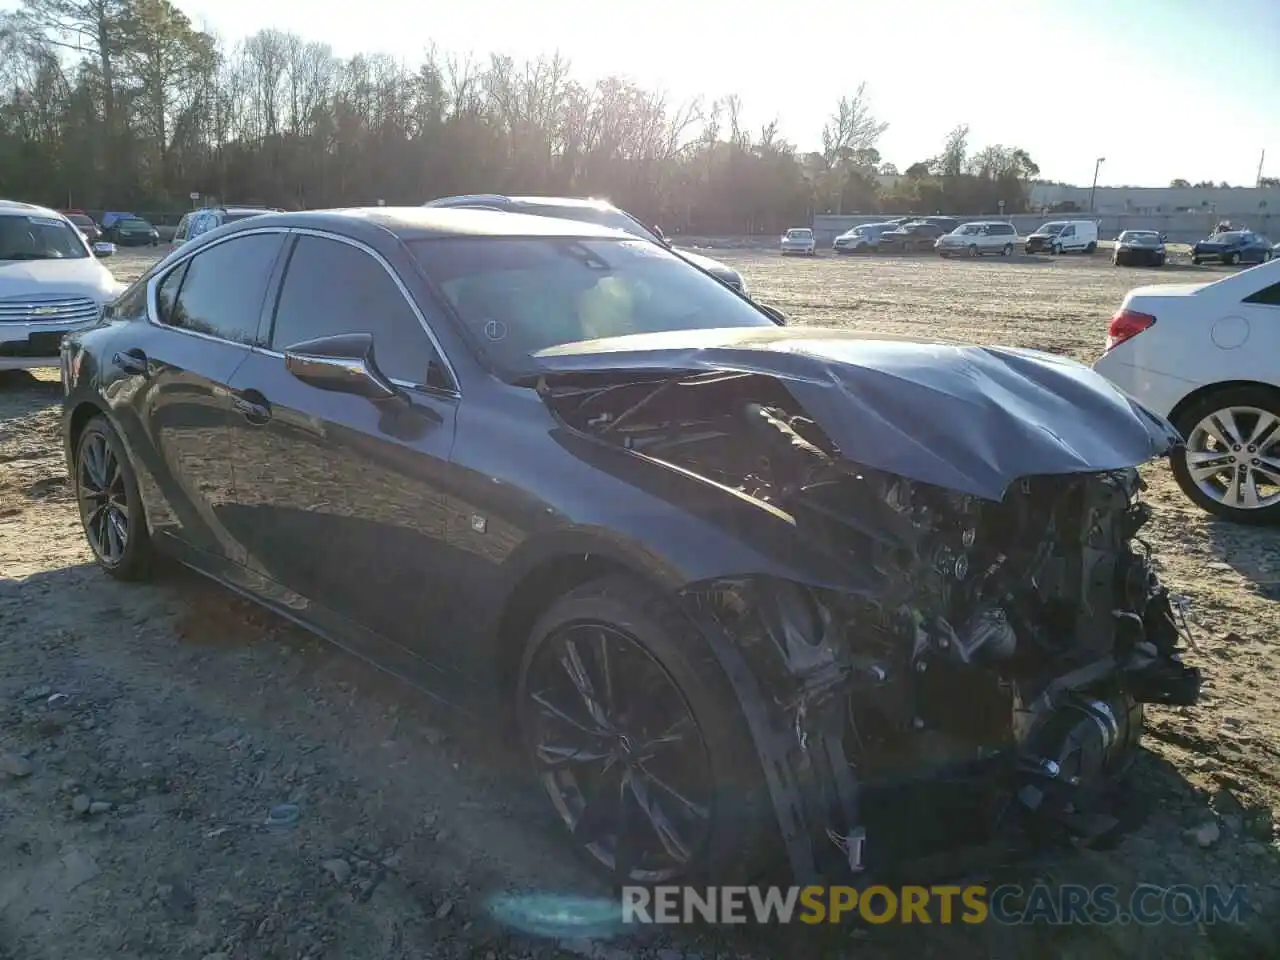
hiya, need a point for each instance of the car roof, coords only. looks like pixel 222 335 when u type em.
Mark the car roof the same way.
pixel 498 199
pixel 420 223
pixel 18 208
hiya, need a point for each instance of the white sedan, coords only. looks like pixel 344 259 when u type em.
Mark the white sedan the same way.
pixel 799 240
pixel 1207 356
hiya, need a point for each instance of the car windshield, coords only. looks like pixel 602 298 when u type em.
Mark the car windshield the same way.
pixel 1139 236
pixel 80 220
pixel 968 229
pixel 516 296
pixel 133 223
pixel 610 217
pixel 1235 236
pixel 799 234
pixel 39 238
pixel 1052 228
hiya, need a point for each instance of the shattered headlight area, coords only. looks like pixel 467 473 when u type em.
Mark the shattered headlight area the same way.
pixel 980 676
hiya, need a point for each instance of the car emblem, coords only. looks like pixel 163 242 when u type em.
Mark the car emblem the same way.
pixel 44 311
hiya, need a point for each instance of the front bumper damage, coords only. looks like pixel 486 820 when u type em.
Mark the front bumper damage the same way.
pixel 798 687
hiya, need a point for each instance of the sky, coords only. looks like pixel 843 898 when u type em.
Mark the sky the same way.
pixel 1159 88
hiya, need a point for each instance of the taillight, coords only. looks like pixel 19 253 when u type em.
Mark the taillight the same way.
pixel 1126 325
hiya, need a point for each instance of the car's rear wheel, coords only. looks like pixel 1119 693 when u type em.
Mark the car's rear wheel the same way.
pixel 111 512
pixel 1092 248
pixel 1233 259
pixel 973 250
pixel 638 740
pixel 1230 465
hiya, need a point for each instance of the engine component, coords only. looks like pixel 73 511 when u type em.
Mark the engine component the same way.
pixel 987 633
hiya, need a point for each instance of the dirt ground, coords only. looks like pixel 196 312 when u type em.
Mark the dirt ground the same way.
pixel 147 731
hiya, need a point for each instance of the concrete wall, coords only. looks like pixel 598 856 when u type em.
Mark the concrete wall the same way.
pixel 1180 228
pixel 1233 203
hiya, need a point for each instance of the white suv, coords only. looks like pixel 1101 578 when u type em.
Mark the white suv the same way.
pixel 51 283
pixel 978 238
pixel 202 221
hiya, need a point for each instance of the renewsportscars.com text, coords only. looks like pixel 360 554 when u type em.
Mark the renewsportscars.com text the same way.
pixel 1067 904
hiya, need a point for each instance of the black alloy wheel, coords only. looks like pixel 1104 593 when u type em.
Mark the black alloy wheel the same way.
pixel 618 751
pixel 110 507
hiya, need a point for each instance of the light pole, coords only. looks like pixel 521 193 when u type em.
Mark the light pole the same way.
pixel 1094 188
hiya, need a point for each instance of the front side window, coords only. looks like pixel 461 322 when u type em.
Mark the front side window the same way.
pixel 517 296
pixel 223 288
pixel 332 288
pixel 40 238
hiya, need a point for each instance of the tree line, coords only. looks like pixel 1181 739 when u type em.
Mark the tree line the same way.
pixel 123 104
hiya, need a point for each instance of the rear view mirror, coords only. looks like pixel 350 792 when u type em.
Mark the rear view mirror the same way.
pixel 343 364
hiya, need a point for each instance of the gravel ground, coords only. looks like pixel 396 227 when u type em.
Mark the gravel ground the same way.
pixel 147 731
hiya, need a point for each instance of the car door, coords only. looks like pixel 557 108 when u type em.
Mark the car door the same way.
pixel 339 498
pixel 203 315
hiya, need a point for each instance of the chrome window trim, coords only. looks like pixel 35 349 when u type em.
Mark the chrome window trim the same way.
pixel 154 283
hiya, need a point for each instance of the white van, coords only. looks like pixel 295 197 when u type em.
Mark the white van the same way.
pixel 1065 236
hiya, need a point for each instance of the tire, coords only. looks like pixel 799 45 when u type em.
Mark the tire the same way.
pixel 101 461
pixel 1256 398
pixel 1266 256
pixel 1233 259
pixel 1195 261
pixel 1091 249
pixel 740 833
pixel 1159 261
pixel 1055 250
pixel 1007 250
pixel 973 250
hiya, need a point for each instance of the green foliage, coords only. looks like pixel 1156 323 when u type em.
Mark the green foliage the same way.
pixel 114 104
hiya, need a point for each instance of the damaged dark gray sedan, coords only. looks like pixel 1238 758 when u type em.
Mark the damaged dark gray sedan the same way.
pixel 742 590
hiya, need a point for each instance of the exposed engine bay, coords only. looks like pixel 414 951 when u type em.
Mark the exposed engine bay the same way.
pixel 1006 649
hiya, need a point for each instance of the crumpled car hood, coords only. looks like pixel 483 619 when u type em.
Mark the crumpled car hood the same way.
pixel 967 418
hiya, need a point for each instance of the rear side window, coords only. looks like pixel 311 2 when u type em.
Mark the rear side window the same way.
pixel 332 288
pixel 223 288
pixel 1001 229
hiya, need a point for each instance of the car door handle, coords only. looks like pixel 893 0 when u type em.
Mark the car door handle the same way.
pixel 132 361
pixel 253 411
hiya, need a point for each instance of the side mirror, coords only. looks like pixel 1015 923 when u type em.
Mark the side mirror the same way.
pixel 778 316
pixel 103 249
pixel 1164 238
pixel 657 232
pixel 343 364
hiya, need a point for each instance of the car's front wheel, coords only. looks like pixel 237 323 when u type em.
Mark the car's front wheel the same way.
pixel 1007 250
pixel 111 514
pixel 638 739
pixel 1233 259
pixel 1230 465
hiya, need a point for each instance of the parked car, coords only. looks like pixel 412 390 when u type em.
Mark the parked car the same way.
pixel 84 223
pixel 864 238
pixel 1064 236
pixel 51 283
pixel 912 236
pixel 799 240
pixel 946 223
pixel 594 211
pixel 1207 356
pixel 210 218
pixel 978 238
pixel 1139 248
pixel 557 463
pixel 1233 247
pixel 127 230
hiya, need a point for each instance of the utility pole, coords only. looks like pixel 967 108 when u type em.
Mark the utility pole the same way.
pixel 1094 189
pixel 1261 160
